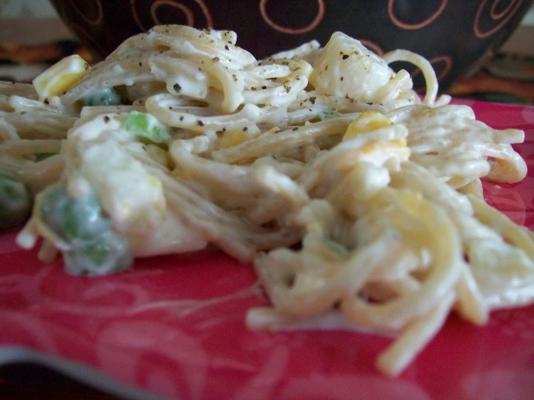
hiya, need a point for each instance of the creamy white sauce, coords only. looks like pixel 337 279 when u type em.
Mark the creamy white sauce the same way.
pixel 346 68
pixel 171 236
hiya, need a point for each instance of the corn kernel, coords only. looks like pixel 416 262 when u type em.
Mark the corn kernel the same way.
pixel 232 139
pixel 367 121
pixel 60 77
pixel 399 142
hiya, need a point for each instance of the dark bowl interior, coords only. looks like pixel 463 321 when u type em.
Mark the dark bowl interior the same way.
pixel 455 35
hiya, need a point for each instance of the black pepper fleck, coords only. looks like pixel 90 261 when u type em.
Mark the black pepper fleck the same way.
pixel 177 87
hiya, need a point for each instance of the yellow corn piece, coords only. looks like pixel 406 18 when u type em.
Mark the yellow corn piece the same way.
pixel 367 121
pixel 232 139
pixel 60 77
pixel 399 142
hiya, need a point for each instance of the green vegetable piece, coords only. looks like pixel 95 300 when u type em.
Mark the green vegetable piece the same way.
pixel 104 97
pixel 95 248
pixel 329 114
pixel 15 202
pixel 43 156
pixel 146 128
pixel 100 256
pixel 71 218
pixel 335 248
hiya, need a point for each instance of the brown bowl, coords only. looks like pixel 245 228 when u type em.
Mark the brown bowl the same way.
pixel 456 35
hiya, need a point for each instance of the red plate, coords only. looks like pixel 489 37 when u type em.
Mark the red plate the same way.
pixel 174 326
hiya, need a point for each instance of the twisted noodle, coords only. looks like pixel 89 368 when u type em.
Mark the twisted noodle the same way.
pixel 327 147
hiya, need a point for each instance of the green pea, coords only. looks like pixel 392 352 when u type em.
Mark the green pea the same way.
pixel 72 218
pixel 102 255
pixel 335 247
pixel 104 97
pixel 329 114
pixel 15 202
pixel 43 156
pixel 146 128
pixel 95 248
